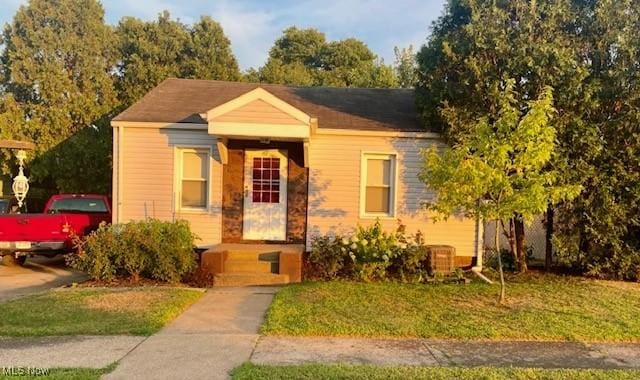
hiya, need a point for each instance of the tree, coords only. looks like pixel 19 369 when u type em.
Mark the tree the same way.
pixel 153 51
pixel 588 52
pixel 599 233
pixel 476 44
pixel 209 52
pixel 304 57
pixel 406 66
pixel 300 46
pixel 150 52
pixel 275 71
pixel 56 70
pixel 502 167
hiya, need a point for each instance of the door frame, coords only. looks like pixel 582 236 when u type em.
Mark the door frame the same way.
pixel 249 154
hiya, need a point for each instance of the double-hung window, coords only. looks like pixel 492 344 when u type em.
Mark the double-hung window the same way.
pixel 193 178
pixel 378 185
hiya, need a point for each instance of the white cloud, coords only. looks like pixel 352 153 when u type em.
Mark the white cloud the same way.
pixel 251 31
pixel 147 9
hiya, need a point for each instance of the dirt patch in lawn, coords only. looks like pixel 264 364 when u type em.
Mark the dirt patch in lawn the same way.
pixel 631 286
pixel 128 283
pixel 128 300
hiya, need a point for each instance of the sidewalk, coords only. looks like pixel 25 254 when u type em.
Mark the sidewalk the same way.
pixel 208 340
pixel 66 351
pixel 423 352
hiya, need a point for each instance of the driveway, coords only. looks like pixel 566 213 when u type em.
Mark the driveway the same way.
pixel 37 275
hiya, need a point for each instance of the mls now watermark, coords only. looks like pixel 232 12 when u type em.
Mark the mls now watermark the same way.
pixel 25 371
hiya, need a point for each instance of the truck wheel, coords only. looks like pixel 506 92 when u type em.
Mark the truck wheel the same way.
pixel 12 261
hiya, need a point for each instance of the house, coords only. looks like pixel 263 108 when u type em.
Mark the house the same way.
pixel 271 164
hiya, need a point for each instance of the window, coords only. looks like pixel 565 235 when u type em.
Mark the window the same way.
pixel 78 205
pixel 194 178
pixel 378 185
pixel 266 180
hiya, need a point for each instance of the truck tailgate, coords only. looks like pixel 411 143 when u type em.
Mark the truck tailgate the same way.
pixel 40 227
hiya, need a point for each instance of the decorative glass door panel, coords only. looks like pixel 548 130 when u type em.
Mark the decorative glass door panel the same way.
pixel 265 195
pixel 266 180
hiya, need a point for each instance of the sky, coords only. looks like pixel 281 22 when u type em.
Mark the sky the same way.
pixel 253 25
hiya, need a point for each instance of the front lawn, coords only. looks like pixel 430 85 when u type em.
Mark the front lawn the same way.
pixel 310 372
pixel 539 307
pixel 136 311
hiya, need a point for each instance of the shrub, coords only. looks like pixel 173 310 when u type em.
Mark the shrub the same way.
pixel 153 249
pixel 201 277
pixel 508 264
pixel 327 258
pixel 619 263
pixel 369 254
pixel 412 264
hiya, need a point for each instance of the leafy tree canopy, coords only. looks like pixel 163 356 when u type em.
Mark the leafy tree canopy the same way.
pixel 304 57
pixel 300 46
pixel 589 53
pixel 504 164
pixel 65 73
pixel 503 168
pixel 56 80
pixel 155 50
pixel 56 70
pixel 406 66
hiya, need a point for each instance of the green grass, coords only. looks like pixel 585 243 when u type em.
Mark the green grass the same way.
pixel 63 374
pixel 308 372
pixel 135 311
pixel 538 307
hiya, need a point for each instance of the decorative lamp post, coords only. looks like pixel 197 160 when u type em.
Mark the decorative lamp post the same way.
pixel 20 182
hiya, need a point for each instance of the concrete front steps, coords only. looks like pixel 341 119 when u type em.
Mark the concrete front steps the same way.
pixel 254 264
pixel 250 278
pixel 242 266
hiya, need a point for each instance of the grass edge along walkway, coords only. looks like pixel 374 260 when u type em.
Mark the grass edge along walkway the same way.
pixel 250 371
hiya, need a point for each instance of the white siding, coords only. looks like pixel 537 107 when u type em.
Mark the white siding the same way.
pixel 148 180
pixel 147 188
pixel 534 236
pixel 334 190
pixel 258 111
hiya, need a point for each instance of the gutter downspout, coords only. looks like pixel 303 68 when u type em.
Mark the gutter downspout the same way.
pixel 119 204
pixel 114 174
pixel 477 269
pixel 479 244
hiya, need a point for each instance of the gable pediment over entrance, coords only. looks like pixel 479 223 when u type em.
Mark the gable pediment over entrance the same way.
pixel 258 114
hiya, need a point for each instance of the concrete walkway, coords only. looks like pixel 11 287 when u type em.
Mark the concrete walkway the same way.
pixel 66 351
pixel 208 340
pixel 421 352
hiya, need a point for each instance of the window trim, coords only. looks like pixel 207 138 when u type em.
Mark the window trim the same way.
pixel 178 168
pixel 393 188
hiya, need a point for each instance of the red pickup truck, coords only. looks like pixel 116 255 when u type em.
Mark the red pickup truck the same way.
pixel 49 233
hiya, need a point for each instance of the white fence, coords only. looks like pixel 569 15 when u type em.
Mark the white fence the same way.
pixel 534 237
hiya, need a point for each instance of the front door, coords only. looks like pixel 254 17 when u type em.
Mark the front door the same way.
pixel 265 195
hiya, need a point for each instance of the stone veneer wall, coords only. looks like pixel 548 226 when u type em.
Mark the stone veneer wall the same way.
pixel 233 190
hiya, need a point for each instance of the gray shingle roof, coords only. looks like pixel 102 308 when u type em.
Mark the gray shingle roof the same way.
pixel 182 101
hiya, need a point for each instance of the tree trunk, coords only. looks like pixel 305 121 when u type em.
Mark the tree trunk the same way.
pixel 511 239
pixel 497 244
pixel 548 249
pixel 521 264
